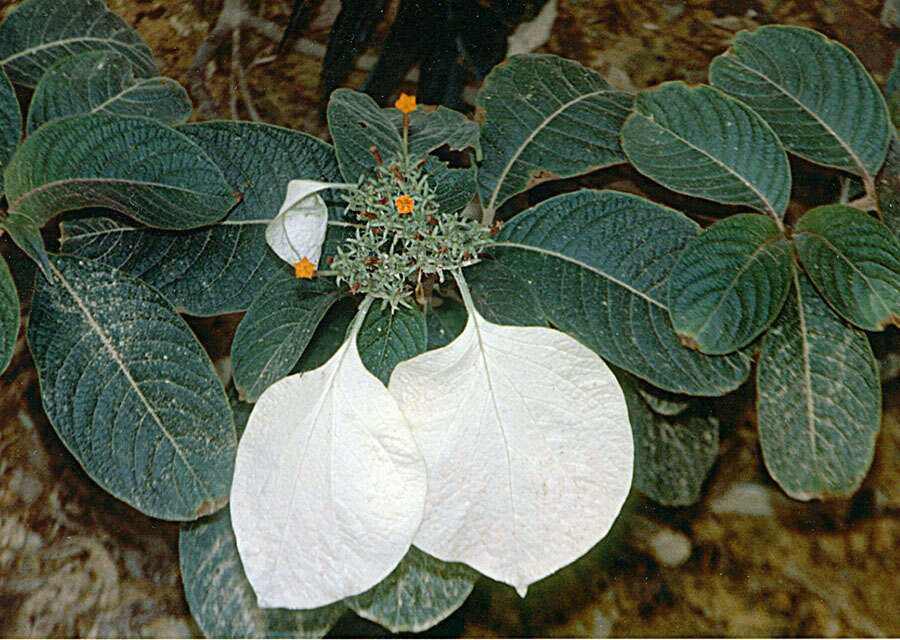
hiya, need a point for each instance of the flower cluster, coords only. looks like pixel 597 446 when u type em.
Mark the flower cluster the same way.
pixel 403 236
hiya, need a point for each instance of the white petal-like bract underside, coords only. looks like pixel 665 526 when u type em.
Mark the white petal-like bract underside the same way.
pixel 328 488
pixel 298 231
pixel 528 447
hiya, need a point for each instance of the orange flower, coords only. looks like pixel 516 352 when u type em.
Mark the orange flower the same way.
pixel 404 204
pixel 304 269
pixel 406 104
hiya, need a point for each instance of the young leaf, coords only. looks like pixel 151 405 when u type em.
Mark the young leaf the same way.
pixel 135 166
pixel 813 92
pixel 9 315
pixel 703 143
pixel 526 440
pixel 357 124
pixel 104 82
pixel 275 331
pixel 818 399
pixel 40 32
pixel 453 188
pixel 598 264
pixel 221 268
pixel 545 114
pixel 730 283
pixel 28 238
pixel 441 127
pixel 418 594
pixel 388 337
pixel 220 597
pixel 672 454
pixel 130 390
pixel 854 261
pixel 329 486
pixel 10 123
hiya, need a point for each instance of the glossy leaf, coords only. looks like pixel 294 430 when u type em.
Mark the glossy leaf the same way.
pixel 10 123
pixel 526 440
pixel 730 283
pixel 276 329
pixel 812 91
pixel 104 82
pixel 545 114
pixel 40 32
pixel 700 142
pixel 418 594
pixel 818 399
pixel 854 261
pixel 389 337
pixel 135 166
pixel 597 265
pixel 221 268
pixel 328 487
pixel 672 454
pixel 221 599
pixel 130 390
pixel 9 315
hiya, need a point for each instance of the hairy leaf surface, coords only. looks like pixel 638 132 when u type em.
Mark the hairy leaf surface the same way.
pixel 104 82
pixel 130 390
pixel 10 123
pixel 9 315
pixel 701 142
pixel 730 283
pixel 818 398
pixel 545 114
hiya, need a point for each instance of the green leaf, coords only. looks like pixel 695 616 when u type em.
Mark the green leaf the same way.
pixel 453 188
pixel 545 114
pixel 130 390
pixel 818 399
pixel 388 337
pixel 418 594
pixel 672 454
pixel 104 82
pixel 598 263
pixel 40 32
pixel 27 237
pixel 700 142
pixel 813 92
pixel 240 411
pixel 730 283
pixel 220 268
pixel 135 166
pixel 329 335
pixel 275 331
pixel 10 123
pixel 220 596
pixel 444 322
pixel 854 261
pixel 357 124
pixel 662 402
pixel 502 295
pixel 9 315
pixel 431 131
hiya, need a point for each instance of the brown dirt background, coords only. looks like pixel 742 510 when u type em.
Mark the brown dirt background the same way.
pixel 76 562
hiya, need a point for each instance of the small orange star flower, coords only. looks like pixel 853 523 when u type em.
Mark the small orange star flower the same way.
pixel 304 269
pixel 406 103
pixel 405 204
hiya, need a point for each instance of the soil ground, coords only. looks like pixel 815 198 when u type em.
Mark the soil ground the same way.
pixel 76 562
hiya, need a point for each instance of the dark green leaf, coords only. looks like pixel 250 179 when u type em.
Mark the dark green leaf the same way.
pixel 430 131
pixel 418 594
pixel 504 296
pixel 730 283
pixel 672 455
pixel 10 123
pixel 329 335
pixel 818 398
pixel 221 268
pixel 454 188
pixel 444 322
pixel 40 32
pixel 9 315
pixel 240 411
pixel 135 166
pixel 357 124
pixel 598 262
pixel 662 402
pixel 854 261
pixel 104 82
pixel 275 331
pixel 812 91
pixel 222 600
pixel 545 114
pixel 703 143
pixel 130 390
pixel 28 238
pixel 389 337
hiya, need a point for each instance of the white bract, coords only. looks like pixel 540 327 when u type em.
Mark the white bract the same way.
pixel 298 231
pixel 328 487
pixel 527 445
